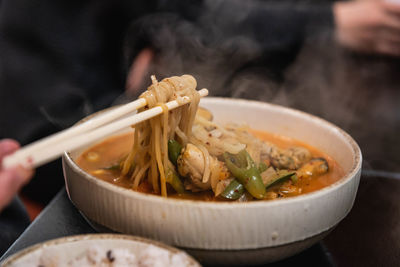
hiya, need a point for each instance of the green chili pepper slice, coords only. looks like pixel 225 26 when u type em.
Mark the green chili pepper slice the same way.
pixel 280 176
pixel 174 150
pixel 244 169
pixel 173 179
pixel 117 166
pixel 233 191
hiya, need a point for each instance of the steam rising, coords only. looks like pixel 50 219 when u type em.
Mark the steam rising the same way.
pixel 358 93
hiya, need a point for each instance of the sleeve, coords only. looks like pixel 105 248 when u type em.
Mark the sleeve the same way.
pixel 60 61
pixel 277 28
pixel 274 24
pixel 214 39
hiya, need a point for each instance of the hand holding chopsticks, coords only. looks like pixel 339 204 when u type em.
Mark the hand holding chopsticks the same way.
pixel 50 148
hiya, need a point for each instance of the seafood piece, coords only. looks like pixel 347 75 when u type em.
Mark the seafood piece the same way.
pixel 216 140
pixel 191 164
pixel 291 158
pixel 266 149
pixel 315 167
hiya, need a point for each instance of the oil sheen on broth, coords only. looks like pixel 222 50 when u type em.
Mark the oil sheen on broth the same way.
pixel 100 159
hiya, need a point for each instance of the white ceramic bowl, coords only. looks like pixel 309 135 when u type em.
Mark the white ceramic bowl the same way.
pixel 65 249
pixel 254 232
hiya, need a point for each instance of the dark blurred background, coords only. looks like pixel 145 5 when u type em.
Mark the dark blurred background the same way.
pixel 63 60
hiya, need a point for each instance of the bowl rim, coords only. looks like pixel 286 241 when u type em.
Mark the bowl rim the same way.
pixel 348 176
pixel 84 237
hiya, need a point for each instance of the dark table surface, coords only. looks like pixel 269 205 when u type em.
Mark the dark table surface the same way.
pixel 368 236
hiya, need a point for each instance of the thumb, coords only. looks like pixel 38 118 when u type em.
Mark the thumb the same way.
pixel 11 180
pixel 7 146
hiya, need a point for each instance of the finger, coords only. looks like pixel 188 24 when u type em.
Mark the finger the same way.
pixel 7 146
pixel 392 6
pixel 11 180
pixel 389 35
pixel 391 22
pixel 138 70
pixel 359 41
pixel 390 14
pixel 388 48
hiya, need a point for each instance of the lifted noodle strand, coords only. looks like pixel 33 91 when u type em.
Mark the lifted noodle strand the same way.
pixel 149 154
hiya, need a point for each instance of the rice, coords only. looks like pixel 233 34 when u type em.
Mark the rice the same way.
pixel 97 256
pixel 153 256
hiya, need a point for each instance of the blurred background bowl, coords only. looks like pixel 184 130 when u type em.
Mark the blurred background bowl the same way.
pixel 256 232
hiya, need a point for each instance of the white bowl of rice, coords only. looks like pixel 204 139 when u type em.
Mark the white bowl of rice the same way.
pixel 111 250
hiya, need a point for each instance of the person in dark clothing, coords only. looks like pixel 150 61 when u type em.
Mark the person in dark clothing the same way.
pixel 60 62
pixel 342 66
pixel 63 60
pixel 226 37
pixel 234 42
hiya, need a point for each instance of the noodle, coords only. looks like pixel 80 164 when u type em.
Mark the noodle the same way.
pixel 149 154
pixel 140 174
pixel 184 150
pixel 181 135
pixel 206 155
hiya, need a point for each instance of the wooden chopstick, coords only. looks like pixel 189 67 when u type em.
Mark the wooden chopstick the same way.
pixel 50 148
pixel 80 128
